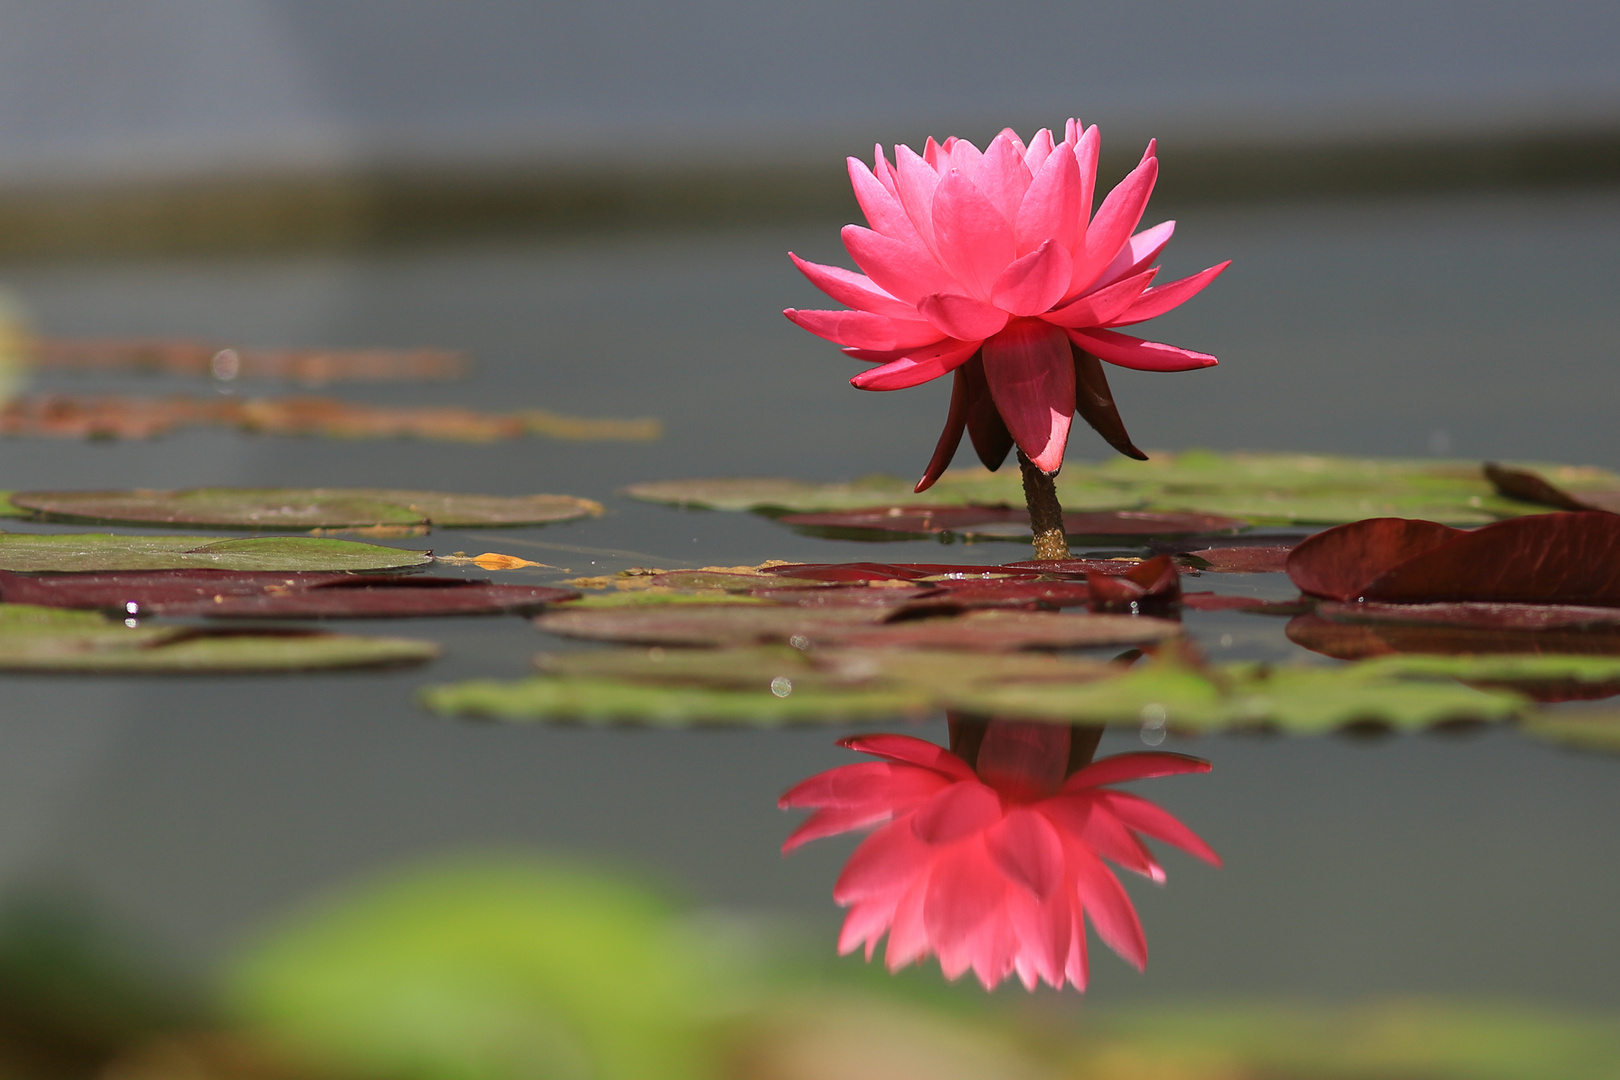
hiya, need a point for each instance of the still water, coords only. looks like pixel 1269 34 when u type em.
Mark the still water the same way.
pixel 1480 865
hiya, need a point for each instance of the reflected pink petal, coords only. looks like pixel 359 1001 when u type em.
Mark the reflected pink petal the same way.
pixel 964 808
pixel 1027 849
pixel 1141 765
pixel 1107 905
pixel 1137 813
pixel 825 823
pixel 912 751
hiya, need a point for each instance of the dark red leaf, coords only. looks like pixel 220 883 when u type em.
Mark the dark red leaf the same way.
pixel 231 594
pixel 1569 558
pixel 1004 593
pixel 1154 581
pixel 1531 487
pixel 1243 560
pixel 1339 563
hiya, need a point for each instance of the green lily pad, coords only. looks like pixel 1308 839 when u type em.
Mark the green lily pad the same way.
pixel 65 552
pixel 301 508
pixel 40 639
pixel 1595 728
pixel 487 969
pixel 1263 489
pixel 740 624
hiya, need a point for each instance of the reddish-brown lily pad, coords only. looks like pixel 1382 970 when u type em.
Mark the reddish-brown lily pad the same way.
pixel 1009 522
pixel 226 594
pixel 1154 582
pixel 1528 486
pixel 1569 558
pixel 1242 560
pixel 1347 640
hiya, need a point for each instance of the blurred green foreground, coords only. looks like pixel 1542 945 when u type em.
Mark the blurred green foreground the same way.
pixel 506 967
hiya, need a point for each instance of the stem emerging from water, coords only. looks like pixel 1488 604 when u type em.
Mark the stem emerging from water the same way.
pixel 1045 515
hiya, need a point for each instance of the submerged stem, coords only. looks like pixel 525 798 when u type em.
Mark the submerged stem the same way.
pixel 1045 515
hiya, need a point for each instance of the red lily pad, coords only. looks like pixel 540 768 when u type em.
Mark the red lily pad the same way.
pixel 1571 558
pixel 227 594
pixel 1533 487
pixel 912 521
pixel 1153 582
pixel 1242 560
pixel 1019 593
pixel 1345 640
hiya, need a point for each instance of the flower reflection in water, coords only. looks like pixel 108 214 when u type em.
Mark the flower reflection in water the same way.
pixel 990 854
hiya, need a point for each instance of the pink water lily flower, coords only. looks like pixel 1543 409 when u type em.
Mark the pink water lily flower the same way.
pixel 995 866
pixel 992 265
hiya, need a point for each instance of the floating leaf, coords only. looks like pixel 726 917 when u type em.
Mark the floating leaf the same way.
pixel 302 508
pixel 76 417
pixel 54 640
pixel 226 594
pixel 1576 488
pixel 1154 582
pixel 1257 488
pixel 1592 728
pixel 731 624
pixel 982 522
pixel 1571 558
pixel 1270 559
pixel 488 969
pixel 1356 639
pixel 80 552
pixel 489 560
pixel 226 362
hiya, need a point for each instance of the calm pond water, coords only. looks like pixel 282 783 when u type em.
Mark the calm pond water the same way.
pixel 1478 865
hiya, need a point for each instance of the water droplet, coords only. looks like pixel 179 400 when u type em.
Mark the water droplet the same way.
pixel 226 365
pixel 131 623
pixel 1153 716
pixel 132 608
pixel 781 686
pixel 799 641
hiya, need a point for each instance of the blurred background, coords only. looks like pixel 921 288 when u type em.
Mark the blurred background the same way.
pixel 1421 203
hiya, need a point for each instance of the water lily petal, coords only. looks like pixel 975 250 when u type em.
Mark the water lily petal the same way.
pixel 1087 145
pixel 973 240
pixel 911 751
pixel 1051 208
pixel 1074 966
pixel 917 368
pixel 915 179
pixel 883 864
pixel 1028 850
pixel 908 934
pixel 1030 372
pixel 991 439
pixel 960 810
pixel 1155 821
pixel 1099 307
pixel 1107 905
pixel 880 205
pixel 1115 221
pixel 963 891
pixel 1039 149
pixel 864 925
pixel 1003 177
pixel 992 949
pixel 883 170
pixel 960 155
pixel 902 268
pixel 1034 283
pixel 962 317
pixel 1109 838
pixel 854 290
pixel 864 330
pixel 1131 352
pixel 951 437
pixel 825 823
pixel 1141 765
pixel 1138 252
pixel 883 784
pixel 1043 928
pixel 1157 301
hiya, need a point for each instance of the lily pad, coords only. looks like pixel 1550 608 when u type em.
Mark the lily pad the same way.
pixel 1258 488
pixel 42 639
pixel 1355 638
pixel 724 624
pixel 301 508
pixel 70 552
pixel 1550 558
pixel 1562 488
pixel 998 523
pixel 1594 728
pixel 224 594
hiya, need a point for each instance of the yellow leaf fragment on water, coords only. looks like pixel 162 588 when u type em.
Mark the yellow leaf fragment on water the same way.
pixel 491 560
pixel 589 582
pixel 539 422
